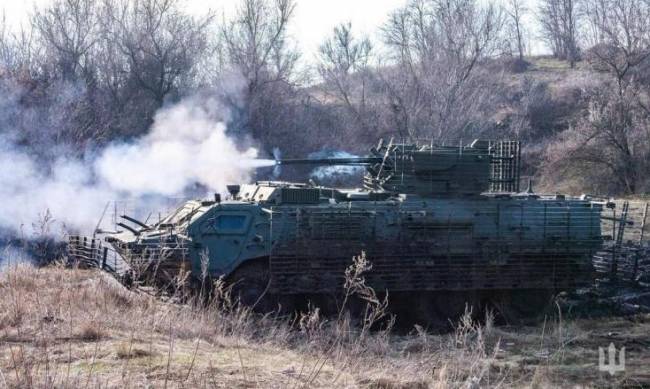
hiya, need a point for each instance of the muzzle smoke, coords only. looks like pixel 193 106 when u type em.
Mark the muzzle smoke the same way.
pixel 327 173
pixel 187 146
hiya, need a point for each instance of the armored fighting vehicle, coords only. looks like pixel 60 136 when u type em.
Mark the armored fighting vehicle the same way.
pixel 442 226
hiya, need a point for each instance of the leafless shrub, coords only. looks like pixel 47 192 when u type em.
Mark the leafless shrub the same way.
pixel 90 331
pixel 607 150
pixel 514 64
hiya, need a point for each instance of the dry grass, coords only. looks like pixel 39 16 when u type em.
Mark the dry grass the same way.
pixel 76 328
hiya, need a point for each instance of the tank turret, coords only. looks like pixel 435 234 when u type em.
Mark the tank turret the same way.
pixel 435 171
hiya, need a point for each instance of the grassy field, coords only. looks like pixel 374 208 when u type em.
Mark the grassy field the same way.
pixel 68 328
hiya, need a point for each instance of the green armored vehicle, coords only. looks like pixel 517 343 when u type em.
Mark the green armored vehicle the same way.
pixel 442 226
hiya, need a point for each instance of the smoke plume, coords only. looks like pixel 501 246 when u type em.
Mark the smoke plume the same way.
pixel 334 173
pixel 187 147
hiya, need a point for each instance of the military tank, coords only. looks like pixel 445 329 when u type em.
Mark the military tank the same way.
pixel 442 226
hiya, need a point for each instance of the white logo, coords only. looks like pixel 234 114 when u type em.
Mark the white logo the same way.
pixel 610 365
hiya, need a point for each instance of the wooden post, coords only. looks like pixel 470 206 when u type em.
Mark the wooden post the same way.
pixel 645 215
pixel 619 239
pixel 92 261
pixel 104 254
pixel 637 253
pixel 612 264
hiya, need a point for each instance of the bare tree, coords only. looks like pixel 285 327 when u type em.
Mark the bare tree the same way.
pixel 433 89
pixel 559 23
pixel 256 42
pixel 161 43
pixel 68 29
pixel 20 53
pixel 344 68
pixel 516 11
pixel 7 55
pixel 609 148
pixel 255 45
pixel 622 36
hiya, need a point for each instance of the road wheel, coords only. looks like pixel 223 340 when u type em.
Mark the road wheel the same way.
pixel 522 306
pixel 250 285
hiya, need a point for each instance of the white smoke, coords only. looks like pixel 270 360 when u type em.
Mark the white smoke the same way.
pixel 67 192
pixel 334 172
pixel 187 145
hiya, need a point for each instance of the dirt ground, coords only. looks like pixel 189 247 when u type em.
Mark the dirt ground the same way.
pixel 79 328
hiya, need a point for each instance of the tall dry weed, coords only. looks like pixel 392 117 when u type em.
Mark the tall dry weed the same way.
pixel 70 327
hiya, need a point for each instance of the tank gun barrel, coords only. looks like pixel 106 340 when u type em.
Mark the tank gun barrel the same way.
pixel 355 161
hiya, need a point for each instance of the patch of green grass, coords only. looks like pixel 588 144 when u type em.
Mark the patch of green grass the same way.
pixel 549 64
pixel 94 367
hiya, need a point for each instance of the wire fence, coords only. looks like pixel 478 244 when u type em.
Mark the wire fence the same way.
pixel 625 255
